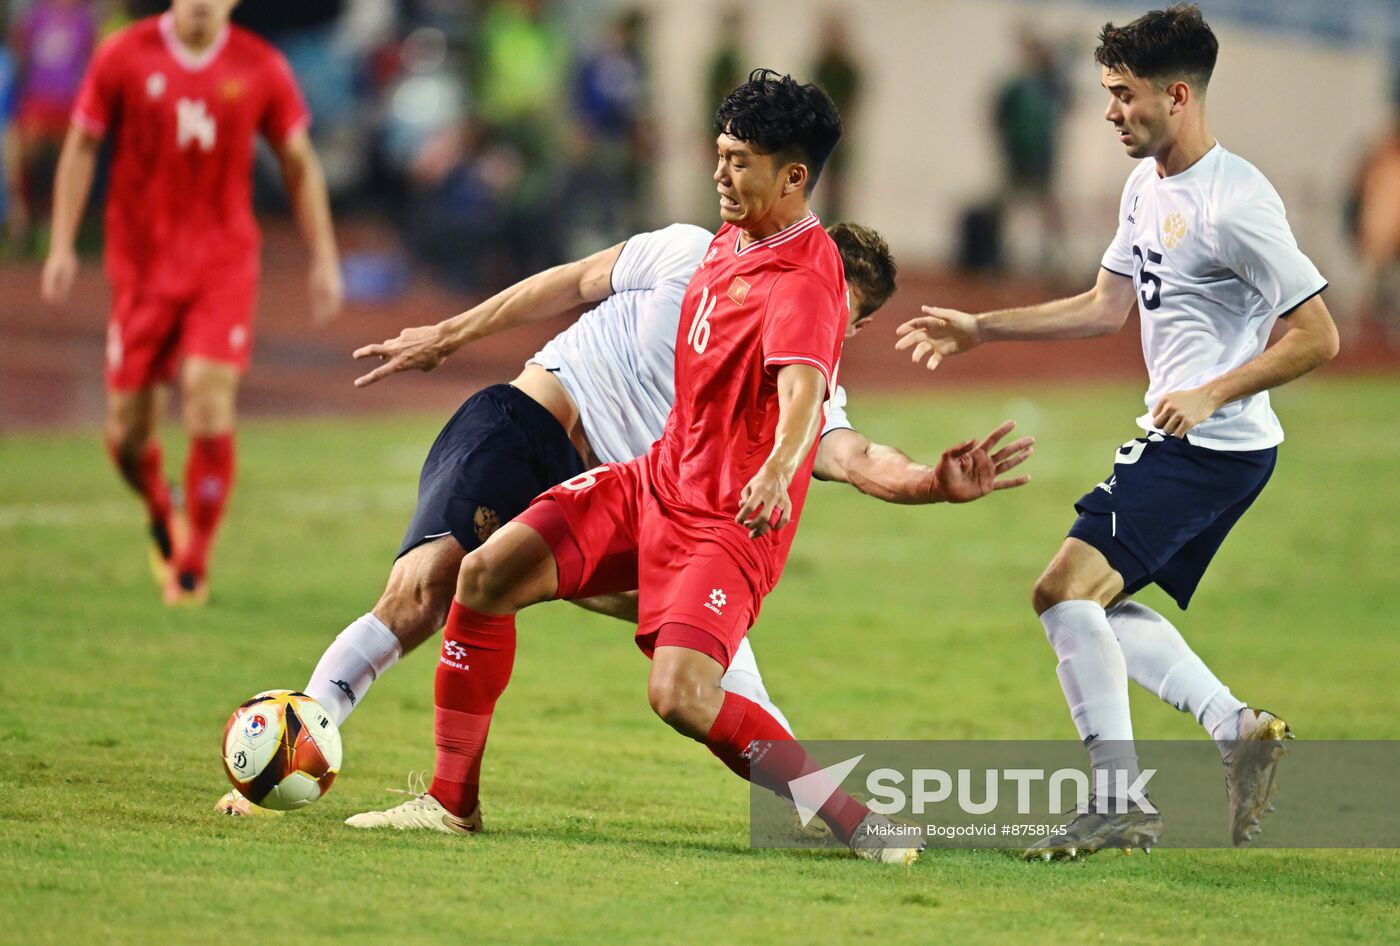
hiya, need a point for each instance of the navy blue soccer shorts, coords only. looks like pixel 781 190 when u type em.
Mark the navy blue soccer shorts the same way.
pixel 498 452
pixel 1167 508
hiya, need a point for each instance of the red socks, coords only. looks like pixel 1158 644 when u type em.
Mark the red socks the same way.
pixel 145 475
pixel 741 722
pixel 208 479
pixel 478 651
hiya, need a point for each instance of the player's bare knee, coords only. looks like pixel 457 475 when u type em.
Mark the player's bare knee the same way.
pixel 131 422
pixel 1047 592
pixel 676 699
pixel 1060 584
pixel 208 415
pixel 412 613
pixel 485 584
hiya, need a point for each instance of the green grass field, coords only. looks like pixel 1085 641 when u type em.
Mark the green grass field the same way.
pixel 603 825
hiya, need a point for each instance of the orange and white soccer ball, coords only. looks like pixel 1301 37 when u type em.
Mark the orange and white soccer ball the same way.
pixel 281 750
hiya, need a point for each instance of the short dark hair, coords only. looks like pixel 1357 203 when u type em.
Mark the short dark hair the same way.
pixel 869 266
pixel 780 117
pixel 1175 43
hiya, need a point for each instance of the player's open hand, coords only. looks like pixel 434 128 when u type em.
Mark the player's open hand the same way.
pixel 969 471
pixel 327 291
pixel 764 505
pixel 938 334
pixel 1179 411
pixel 60 272
pixel 419 347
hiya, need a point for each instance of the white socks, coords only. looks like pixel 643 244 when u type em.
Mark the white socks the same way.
pixel 365 649
pixel 353 661
pixel 1095 681
pixel 1160 660
pixel 742 678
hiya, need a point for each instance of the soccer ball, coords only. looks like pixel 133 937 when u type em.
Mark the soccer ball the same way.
pixel 281 750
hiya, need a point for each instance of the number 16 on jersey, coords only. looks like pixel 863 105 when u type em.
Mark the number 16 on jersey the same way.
pixel 699 335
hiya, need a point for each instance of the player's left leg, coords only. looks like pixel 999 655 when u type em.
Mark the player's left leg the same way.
pixel 742 676
pixel 209 391
pixel 698 603
pixel 685 690
pixel 1159 659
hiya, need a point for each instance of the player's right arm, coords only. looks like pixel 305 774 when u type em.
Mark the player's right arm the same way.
pixel 541 296
pixel 93 111
pixel 965 472
pixel 77 163
pixel 942 332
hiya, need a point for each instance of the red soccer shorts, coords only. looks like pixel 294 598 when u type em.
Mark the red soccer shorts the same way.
pixel 150 332
pixel 609 534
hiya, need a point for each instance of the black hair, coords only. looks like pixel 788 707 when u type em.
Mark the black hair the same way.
pixel 1175 43
pixel 780 117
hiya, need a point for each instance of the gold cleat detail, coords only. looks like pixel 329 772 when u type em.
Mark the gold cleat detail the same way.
pixel 1251 769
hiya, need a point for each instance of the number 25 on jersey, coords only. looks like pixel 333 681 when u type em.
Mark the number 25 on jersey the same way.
pixel 698 337
pixel 1149 283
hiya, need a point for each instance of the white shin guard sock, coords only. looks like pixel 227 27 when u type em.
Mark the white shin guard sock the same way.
pixel 1095 681
pixel 743 679
pixel 1159 659
pixel 353 661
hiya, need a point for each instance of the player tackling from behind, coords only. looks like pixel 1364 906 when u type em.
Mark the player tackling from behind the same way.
pixel 182 97
pixel 1204 249
pixel 702 523
pixel 601 390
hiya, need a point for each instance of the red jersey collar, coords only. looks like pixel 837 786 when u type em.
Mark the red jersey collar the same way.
pixel 181 53
pixel 789 232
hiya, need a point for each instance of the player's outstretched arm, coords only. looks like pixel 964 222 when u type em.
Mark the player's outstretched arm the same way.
pixel 965 472
pixel 1309 341
pixel 764 505
pixel 72 183
pixel 306 188
pixel 943 332
pixel 541 296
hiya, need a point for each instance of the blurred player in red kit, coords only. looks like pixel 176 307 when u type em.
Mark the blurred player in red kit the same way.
pixel 702 523
pixel 182 97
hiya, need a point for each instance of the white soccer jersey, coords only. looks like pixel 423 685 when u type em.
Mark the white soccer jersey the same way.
pixel 1215 264
pixel 618 361
pixel 836 412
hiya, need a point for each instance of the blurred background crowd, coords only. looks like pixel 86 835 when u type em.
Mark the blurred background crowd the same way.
pixel 482 140
pixel 491 141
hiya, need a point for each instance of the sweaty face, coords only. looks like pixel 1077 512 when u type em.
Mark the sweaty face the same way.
pixel 854 320
pixel 749 183
pixel 1139 111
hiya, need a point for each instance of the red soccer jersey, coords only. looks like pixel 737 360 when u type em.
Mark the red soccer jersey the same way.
pixel 747 312
pixel 179 200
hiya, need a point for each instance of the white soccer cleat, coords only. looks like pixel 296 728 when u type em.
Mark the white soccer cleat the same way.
pixel 420 813
pixel 235 805
pixel 877 838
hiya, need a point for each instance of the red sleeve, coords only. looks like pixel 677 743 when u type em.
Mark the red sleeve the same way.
pixel 100 93
pixel 803 324
pixel 284 113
